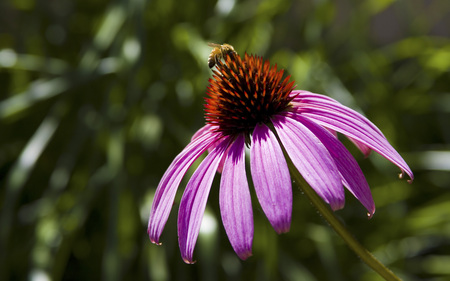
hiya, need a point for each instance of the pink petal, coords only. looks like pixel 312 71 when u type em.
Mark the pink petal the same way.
pixel 355 126
pixel 308 99
pixel 235 200
pixel 366 150
pixel 193 202
pixel 271 178
pixel 165 193
pixel 200 132
pixel 312 160
pixel 302 97
pixel 209 127
pixel 299 95
pixel 353 178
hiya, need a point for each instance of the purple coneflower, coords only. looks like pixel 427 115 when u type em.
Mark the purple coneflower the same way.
pixel 250 104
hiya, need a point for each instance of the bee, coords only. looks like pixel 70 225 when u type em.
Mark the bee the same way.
pixel 219 52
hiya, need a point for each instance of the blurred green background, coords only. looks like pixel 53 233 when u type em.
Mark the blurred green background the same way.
pixel 98 97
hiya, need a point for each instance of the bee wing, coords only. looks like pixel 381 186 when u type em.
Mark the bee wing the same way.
pixel 214 45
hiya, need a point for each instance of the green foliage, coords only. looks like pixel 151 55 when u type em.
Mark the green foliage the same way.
pixel 98 97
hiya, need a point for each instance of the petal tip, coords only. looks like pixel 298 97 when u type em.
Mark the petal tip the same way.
pixel 155 241
pixel 245 255
pixel 154 238
pixel 370 214
pixel 283 229
pixel 410 174
pixel 189 261
pixel 338 205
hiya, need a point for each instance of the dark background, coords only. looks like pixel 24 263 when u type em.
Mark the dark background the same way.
pixel 98 97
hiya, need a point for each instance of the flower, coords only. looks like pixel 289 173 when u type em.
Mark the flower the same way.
pixel 250 104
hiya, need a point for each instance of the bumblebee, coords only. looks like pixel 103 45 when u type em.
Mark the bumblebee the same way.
pixel 219 52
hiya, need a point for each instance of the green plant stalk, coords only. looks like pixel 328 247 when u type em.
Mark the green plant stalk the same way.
pixel 334 222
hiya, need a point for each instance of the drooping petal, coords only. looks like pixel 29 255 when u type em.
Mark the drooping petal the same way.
pixel 235 200
pixel 312 160
pixel 193 202
pixel 271 178
pixel 353 178
pixel 366 150
pixel 352 124
pixel 308 99
pixel 167 187
pixel 302 97
pixel 362 147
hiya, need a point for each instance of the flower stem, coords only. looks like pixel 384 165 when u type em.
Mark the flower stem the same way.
pixel 331 218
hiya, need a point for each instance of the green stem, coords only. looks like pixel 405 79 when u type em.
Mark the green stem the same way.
pixel 331 218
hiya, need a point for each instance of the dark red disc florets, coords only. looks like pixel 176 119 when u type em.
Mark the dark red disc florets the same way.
pixel 245 92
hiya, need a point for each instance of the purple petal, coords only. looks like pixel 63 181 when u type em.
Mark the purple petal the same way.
pixel 193 202
pixel 353 178
pixel 362 147
pixel 308 99
pixel 200 132
pixel 366 150
pixel 352 124
pixel 271 178
pixel 165 193
pixel 312 160
pixel 317 100
pixel 235 200
pixel 299 95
